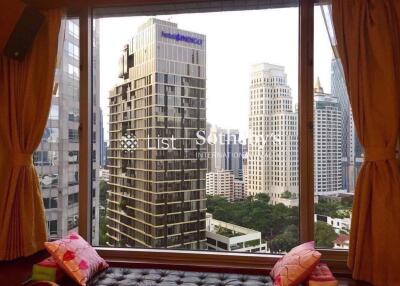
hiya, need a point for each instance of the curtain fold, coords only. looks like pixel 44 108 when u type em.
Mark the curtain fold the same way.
pixel 368 42
pixel 25 98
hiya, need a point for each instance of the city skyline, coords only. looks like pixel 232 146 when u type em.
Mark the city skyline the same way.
pixel 238 40
pixel 144 75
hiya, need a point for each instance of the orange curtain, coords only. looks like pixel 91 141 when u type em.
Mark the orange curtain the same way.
pixel 368 38
pixel 25 98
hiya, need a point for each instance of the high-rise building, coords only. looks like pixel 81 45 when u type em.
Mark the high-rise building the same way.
pixel 157 194
pixel 233 150
pixel 272 147
pixel 327 143
pixel 103 144
pixel 57 157
pixel 352 153
pixel 339 90
pixel 245 174
pixel 215 148
pixel 225 151
pixel 238 190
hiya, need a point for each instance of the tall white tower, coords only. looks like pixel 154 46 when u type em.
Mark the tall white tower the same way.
pixel 327 143
pixel 272 150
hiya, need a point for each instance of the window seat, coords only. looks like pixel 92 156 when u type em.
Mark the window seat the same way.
pixel 19 271
pixel 164 277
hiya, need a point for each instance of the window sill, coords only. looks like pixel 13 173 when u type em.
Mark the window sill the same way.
pixel 245 263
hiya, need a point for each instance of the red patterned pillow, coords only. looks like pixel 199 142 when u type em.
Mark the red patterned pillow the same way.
pixel 296 265
pixel 77 257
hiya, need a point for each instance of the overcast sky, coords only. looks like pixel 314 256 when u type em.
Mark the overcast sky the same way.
pixel 235 41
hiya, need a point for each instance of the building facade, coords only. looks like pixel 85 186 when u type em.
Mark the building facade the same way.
pixel 327 143
pixel 272 159
pixel 157 182
pixel 57 157
pixel 233 151
pixel 220 183
pixel 352 153
pixel 215 148
pixel 225 150
pixel 239 192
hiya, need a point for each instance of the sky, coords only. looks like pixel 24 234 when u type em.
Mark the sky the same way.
pixel 235 41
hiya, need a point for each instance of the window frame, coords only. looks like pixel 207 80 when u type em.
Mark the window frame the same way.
pixel 244 262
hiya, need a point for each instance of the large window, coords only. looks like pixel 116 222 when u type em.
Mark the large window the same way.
pixel 197 127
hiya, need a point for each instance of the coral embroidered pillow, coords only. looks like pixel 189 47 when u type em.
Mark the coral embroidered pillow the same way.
pixel 77 257
pixel 296 265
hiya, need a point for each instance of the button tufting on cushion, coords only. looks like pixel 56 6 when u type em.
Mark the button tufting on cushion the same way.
pixel 163 277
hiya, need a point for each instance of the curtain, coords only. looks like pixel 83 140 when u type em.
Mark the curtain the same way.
pixel 368 43
pixel 25 98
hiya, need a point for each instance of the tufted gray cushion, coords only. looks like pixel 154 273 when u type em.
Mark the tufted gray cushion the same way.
pixel 162 277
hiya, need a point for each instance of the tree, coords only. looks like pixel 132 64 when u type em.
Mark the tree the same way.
pixel 286 195
pixel 332 208
pixel 102 217
pixel 102 228
pixel 255 213
pixel 103 193
pixel 324 234
pixel 262 197
pixel 285 241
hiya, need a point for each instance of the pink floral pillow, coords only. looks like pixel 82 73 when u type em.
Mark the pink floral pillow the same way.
pixel 77 257
pixel 293 268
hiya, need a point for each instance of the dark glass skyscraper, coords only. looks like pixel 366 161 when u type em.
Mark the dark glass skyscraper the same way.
pixel 352 153
pixel 157 170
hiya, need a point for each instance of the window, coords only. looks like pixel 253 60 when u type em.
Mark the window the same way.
pixel 51 134
pixel 175 95
pixel 73 116
pixel 168 85
pixel 54 111
pixel 45 158
pixel 50 203
pixel 73 50
pixel 73 28
pixel 72 199
pixel 73 177
pixel 73 157
pixel 52 227
pixel 73 71
pixel 72 223
pixel 73 136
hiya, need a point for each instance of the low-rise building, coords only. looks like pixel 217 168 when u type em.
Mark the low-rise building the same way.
pixel 342 242
pixel 223 236
pixel 339 224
